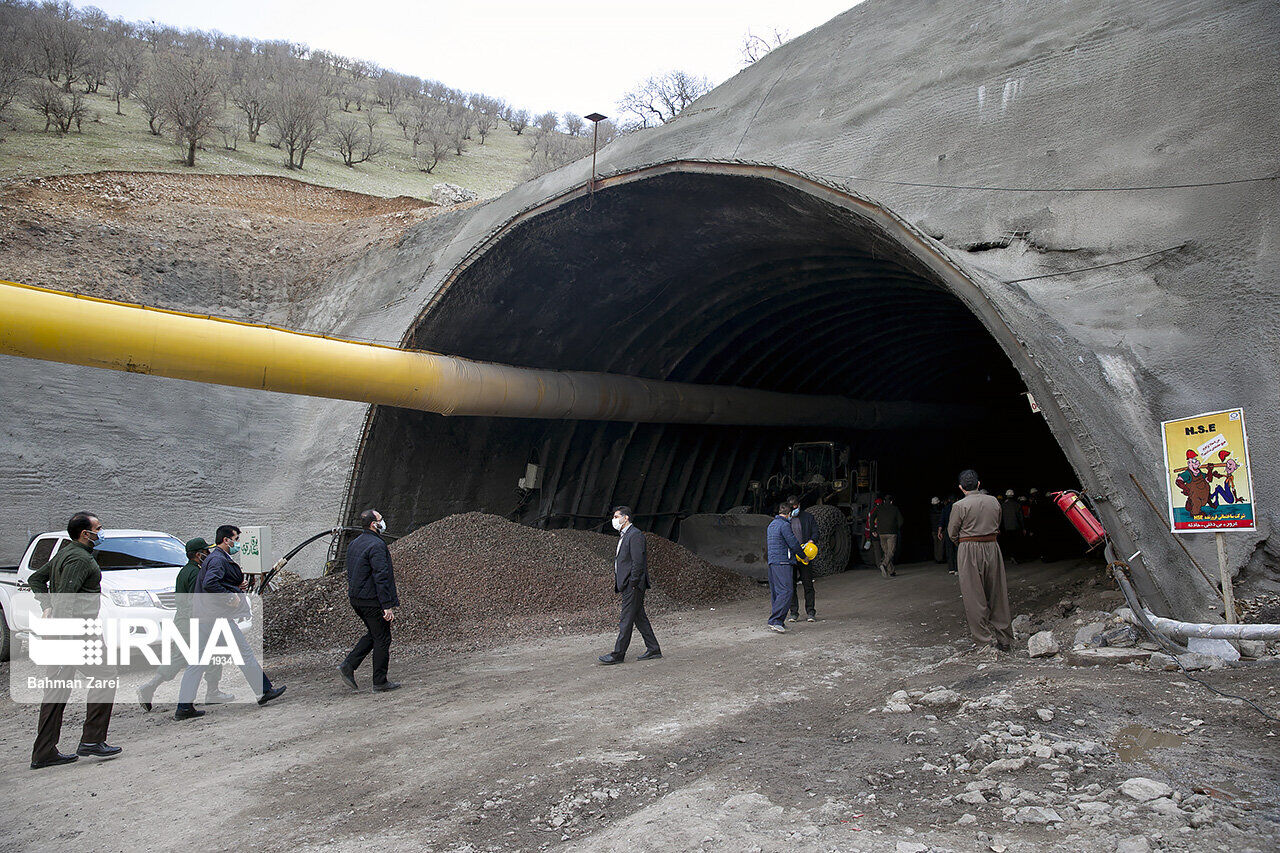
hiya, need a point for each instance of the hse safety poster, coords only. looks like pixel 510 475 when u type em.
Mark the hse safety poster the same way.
pixel 1207 473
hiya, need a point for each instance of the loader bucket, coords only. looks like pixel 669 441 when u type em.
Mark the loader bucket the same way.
pixel 732 541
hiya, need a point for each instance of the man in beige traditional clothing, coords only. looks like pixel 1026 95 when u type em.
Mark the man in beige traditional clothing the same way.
pixel 975 520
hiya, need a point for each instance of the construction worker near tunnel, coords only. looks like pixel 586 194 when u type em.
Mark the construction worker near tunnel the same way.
pixel 1011 527
pixel 889 528
pixel 974 526
pixel 631 578
pixel 936 532
pixel 805 528
pixel 219 603
pixel 371 589
pixel 782 547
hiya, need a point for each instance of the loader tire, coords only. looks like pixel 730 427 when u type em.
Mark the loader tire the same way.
pixel 834 540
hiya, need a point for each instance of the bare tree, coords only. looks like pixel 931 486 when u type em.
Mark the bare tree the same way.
pixel 458 125
pixel 547 122
pixel 125 59
pixel 573 124
pixel 660 99
pixel 11 77
pixel 230 132
pixel 432 134
pixel 60 43
pixel 300 113
pixel 253 97
pixel 519 121
pixel 151 99
pixel 189 86
pixel 60 109
pixel 486 111
pixel 355 141
pixel 549 150
pixel 755 46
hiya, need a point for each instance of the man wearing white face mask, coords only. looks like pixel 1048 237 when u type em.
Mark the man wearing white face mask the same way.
pixel 631 578
pixel 371 586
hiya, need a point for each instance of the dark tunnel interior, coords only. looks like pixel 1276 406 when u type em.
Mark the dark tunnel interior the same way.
pixel 708 278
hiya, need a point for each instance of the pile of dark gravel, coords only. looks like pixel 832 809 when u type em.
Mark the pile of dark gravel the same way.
pixel 476 580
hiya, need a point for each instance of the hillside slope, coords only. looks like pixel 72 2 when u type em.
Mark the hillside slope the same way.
pixel 123 142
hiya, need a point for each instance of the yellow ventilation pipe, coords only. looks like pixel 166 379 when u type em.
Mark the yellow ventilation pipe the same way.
pixel 72 329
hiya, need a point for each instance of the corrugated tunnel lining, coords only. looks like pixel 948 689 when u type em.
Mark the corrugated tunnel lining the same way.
pixel 717 278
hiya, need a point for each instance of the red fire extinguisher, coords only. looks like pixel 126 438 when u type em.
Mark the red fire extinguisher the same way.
pixel 1080 517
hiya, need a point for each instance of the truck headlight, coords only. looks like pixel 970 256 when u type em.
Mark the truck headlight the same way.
pixel 132 598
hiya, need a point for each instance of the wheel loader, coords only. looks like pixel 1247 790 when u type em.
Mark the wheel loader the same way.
pixel 837 493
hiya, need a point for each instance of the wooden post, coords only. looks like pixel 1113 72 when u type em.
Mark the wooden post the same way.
pixel 1228 593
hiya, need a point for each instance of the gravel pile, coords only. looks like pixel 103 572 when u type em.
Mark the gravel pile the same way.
pixel 475 580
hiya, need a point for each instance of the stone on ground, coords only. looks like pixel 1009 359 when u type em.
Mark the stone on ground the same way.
pixel 1105 655
pixel 1144 790
pixel 1042 645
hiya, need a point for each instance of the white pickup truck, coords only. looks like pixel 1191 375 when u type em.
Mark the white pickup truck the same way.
pixel 139 569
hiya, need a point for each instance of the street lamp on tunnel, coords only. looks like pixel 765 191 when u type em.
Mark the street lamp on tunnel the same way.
pixel 595 119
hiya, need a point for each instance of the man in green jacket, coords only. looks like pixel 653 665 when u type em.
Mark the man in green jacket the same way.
pixel 184 588
pixel 74 578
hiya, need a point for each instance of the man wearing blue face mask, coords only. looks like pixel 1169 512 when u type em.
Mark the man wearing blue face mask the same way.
pixel 220 586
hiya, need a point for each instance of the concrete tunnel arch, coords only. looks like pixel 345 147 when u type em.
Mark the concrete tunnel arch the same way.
pixel 721 273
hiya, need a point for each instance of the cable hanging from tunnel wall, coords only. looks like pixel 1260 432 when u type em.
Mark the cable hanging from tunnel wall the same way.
pixel 1097 266
pixel 1128 189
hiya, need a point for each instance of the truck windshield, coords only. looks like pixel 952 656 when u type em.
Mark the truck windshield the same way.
pixel 139 552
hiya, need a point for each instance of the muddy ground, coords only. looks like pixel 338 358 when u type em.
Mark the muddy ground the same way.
pixel 739 739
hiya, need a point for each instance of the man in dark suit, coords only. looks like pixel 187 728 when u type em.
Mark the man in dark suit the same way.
pixel 631 578
pixel 371 587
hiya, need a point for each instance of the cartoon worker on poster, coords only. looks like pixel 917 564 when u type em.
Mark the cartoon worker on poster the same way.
pixel 1207 473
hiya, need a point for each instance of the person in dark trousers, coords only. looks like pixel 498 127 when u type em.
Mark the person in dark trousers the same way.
pixel 1011 527
pixel 805 528
pixel 219 589
pixel 782 547
pixel 631 578
pixel 873 535
pixel 948 545
pixel 371 588
pixel 888 527
pixel 76 579
pixel 184 587
pixel 937 532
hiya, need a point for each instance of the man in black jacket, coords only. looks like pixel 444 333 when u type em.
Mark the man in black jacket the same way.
pixel 631 578
pixel 371 588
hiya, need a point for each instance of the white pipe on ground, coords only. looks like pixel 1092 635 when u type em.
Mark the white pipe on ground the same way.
pixel 1207 630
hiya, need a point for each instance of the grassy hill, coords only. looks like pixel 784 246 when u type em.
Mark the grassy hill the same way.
pixel 123 142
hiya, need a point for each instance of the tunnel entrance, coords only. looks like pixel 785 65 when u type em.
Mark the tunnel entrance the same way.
pixel 718 274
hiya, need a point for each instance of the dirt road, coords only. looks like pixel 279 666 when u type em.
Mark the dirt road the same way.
pixel 739 739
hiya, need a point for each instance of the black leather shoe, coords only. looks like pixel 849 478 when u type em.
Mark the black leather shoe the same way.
pixel 349 676
pixel 273 693
pixel 100 750
pixel 653 655
pixel 610 659
pixel 58 758
pixel 191 713
pixel 385 686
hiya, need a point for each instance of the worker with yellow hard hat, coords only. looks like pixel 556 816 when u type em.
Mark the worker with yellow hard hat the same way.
pixel 805 528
